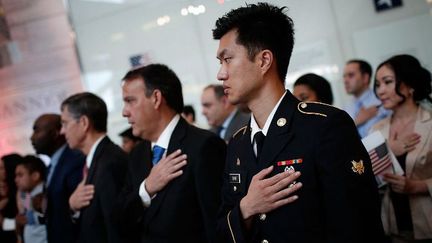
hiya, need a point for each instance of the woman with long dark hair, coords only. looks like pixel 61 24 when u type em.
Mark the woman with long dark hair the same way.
pixel 401 83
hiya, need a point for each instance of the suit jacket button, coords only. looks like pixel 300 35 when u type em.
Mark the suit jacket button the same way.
pixel 234 188
pixel 262 216
pixel 264 241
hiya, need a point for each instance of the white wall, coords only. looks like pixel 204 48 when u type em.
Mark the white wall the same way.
pixel 44 70
pixel 328 32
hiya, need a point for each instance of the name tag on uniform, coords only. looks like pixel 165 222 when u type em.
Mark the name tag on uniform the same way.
pixel 234 178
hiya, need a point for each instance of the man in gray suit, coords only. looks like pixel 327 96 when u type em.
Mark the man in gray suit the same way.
pixel 224 119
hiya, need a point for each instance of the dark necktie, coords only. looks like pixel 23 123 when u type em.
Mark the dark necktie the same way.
pixel 158 151
pixel 259 140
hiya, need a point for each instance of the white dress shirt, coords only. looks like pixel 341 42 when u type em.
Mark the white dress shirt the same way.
pixel 162 141
pixel 255 128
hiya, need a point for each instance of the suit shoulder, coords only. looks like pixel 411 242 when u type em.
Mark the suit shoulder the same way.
pixel 200 133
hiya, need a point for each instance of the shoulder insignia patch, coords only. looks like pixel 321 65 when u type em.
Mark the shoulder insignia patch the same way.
pixel 358 167
pixel 243 129
pixel 302 106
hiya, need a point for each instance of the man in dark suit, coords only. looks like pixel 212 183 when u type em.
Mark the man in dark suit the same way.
pixel 336 198
pixel 176 198
pixel 224 118
pixel 84 123
pixel 63 175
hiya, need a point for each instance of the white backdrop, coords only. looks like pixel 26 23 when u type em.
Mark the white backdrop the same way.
pixel 328 32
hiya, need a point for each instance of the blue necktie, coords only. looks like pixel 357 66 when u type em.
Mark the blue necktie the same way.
pixel 158 151
pixel 219 131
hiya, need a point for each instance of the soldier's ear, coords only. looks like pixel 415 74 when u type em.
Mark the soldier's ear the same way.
pixel 265 60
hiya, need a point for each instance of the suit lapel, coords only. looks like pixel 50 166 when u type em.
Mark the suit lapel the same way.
pixel 279 134
pixel 174 144
pixel 58 168
pixel 94 164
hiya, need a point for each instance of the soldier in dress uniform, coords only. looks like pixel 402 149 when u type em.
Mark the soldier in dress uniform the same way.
pixel 298 171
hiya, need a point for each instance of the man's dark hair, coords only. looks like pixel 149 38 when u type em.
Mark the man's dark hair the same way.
pixel 162 78
pixel 188 109
pixel 90 105
pixel 34 164
pixel 217 89
pixel 261 26
pixel 128 134
pixel 365 67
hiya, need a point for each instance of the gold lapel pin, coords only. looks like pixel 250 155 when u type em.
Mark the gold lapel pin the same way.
pixel 281 122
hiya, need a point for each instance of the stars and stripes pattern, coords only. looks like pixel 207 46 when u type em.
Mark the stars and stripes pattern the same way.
pixel 139 60
pixel 380 158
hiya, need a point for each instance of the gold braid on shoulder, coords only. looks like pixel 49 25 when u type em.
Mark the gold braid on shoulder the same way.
pixel 240 130
pixel 303 105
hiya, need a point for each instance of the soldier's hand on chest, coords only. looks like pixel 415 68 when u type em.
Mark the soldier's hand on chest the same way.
pixel 267 194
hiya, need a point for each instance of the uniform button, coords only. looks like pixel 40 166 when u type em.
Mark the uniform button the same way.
pixel 264 241
pixel 262 216
pixel 235 188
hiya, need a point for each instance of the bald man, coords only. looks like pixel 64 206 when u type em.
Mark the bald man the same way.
pixel 63 175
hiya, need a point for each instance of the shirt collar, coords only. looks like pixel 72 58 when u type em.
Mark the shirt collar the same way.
pixel 37 189
pixel 90 155
pixel 366 94
pixel 164 138
pixel 254 125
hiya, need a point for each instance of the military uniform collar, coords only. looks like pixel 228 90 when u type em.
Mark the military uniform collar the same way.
pixel 254 125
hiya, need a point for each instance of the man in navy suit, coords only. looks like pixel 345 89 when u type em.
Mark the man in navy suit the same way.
pixel 63 175
pixel 173 198
pixel 84 123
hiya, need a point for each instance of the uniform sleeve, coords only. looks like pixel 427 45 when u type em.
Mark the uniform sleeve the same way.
pixel 208 181
pixel 349 192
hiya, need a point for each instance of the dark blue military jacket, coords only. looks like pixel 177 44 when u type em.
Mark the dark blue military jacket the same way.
pixel 339 199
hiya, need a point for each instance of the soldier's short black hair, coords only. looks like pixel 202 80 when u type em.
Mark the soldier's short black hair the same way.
pixel 261 26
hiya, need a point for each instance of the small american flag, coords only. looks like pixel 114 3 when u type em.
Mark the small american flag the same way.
pixel 139 60
pixel 380 158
